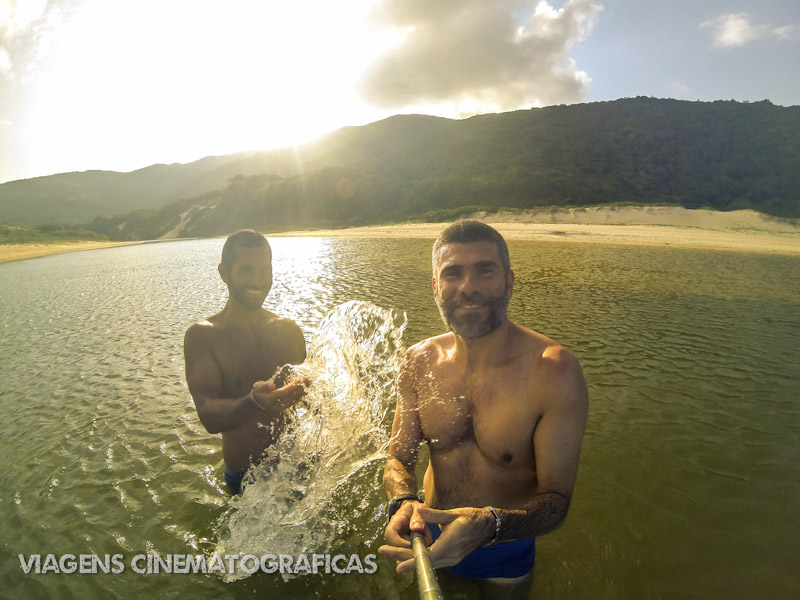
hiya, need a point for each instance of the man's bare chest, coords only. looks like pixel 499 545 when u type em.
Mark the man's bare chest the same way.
pixel 495 415
pixel 244 359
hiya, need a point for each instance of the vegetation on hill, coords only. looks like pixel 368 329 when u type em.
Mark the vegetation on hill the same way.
pixel 71 198
pixel 720 155
pixel 46 234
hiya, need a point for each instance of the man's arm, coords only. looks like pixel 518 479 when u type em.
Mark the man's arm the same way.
pixel 399 475
pixel 219 414
pixel 557 448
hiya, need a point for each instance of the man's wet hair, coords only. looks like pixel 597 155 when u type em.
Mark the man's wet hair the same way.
pixel 466 231
pixel 244 238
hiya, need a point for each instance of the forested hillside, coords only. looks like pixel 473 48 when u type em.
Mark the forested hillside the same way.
pixel 724 155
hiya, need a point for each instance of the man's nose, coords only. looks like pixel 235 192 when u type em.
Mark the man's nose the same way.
pixel 469 284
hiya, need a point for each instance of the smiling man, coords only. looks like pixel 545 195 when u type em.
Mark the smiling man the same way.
pixel 503 410
pixel 232 358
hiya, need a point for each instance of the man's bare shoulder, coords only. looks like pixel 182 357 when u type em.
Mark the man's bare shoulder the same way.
pixel 282 325
pixel 429 344
pixel 200 332
pixel 536 345
pixel 560 364
pixel 555 366
pixel 288 338
pixel 427 350
pixel 218 324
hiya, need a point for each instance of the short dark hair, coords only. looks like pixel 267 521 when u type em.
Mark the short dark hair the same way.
pixel 244 238
pixel 466 231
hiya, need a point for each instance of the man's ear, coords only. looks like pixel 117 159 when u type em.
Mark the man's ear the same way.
pixel 223 272
pixel 433 282
pixel 510 283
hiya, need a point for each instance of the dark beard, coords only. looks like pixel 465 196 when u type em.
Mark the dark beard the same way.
pixel 244 298
pixel 474 326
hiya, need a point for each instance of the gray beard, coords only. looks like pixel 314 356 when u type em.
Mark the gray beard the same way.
pixel 474 326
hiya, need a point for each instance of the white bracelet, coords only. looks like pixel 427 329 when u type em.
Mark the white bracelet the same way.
pixel 252 398
pixel 496 525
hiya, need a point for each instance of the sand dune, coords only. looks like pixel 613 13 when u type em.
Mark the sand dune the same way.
pixel 744 230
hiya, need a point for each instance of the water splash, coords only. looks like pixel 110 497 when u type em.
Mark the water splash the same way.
pixel 294 502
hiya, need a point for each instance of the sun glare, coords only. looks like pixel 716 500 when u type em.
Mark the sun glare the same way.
pixel 175 81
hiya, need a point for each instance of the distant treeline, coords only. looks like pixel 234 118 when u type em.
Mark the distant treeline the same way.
pixel 722 155
pixel 46 234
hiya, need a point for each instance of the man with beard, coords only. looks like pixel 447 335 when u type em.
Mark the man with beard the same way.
pixel 502 409
pixel 232 358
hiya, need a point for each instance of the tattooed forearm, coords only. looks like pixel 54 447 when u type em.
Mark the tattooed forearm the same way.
pixel 543 514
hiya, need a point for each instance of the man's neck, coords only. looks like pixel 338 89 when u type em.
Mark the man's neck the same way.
pixel 240 316
pixel 484 351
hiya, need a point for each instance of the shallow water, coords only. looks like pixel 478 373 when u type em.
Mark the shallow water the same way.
pixel 687 487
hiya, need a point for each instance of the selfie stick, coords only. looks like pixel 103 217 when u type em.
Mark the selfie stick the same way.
pixel 426 578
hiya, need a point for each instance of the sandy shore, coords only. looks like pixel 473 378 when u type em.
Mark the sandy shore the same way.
pixel 644 226
pixel 743 230
pixel 13 252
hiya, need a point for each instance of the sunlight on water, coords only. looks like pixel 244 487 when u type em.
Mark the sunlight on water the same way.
pixel 288 507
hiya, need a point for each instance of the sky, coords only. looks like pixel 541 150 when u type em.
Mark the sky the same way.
pixel 123 84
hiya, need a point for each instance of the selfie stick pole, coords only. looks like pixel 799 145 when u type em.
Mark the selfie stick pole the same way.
pixel 426 578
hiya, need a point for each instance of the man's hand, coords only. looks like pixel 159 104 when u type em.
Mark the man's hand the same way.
pixel 274 399
pixel 463 530
pixel 402 523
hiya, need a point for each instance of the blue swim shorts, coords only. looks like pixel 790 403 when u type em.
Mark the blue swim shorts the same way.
pixel 504 559
pixel 234 479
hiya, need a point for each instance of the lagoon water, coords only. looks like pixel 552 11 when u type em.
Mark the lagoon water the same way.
pixel 688 484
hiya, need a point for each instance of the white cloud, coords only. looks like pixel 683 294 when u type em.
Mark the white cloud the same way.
pixel 678 89
pixel 468 56
pixel 17 15
pixel 786 32
pixel 19 25
pixel 736 29
pixel 5 61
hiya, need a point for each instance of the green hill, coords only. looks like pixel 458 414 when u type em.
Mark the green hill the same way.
pixel 724 155
pixel 46 234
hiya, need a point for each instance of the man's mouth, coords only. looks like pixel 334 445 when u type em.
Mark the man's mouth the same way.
pixel 470 305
